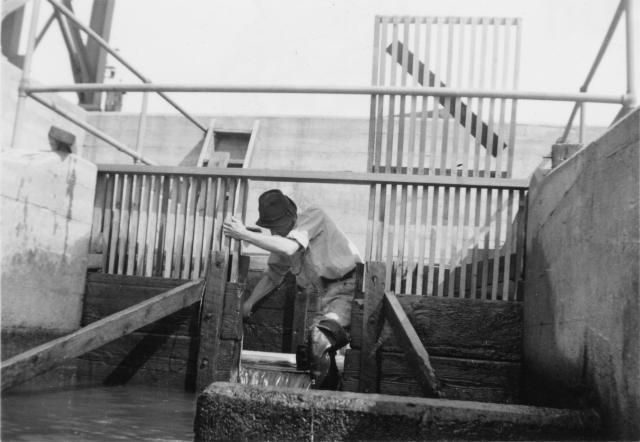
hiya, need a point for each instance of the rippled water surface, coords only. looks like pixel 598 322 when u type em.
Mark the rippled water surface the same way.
pixel 99 414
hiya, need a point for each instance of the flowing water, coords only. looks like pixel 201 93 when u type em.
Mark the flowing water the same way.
pixel 134 413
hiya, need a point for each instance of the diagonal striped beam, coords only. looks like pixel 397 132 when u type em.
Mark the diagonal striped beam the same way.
pixel 484 128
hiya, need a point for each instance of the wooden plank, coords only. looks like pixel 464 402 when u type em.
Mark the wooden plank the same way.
pixel 42 358
pixel 460 379
pixel 455 246
pixel 189 229
pixel 124 223
pixel 107 221
pixel 115 224
pixel 497 248
pixel 181 215
pixel 134 219
pixel 170 231
pixel 211 322
pixel 414 350
pixel 508 246
pixel 299 323
pixel 485 252
pixel 455 327
pixel 514 103
pixel 153 233
pixel 143 221
pixel 96 244
pixel 163 218
pixel 520 245
pixel 371 325
pixel 251 146
pixel 424 202
pixel 199 226
pixel 292 176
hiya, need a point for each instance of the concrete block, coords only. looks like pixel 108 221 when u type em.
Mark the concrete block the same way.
pixel 47 208
pixel 240 412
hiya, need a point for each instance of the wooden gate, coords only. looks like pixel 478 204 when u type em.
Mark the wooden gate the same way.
pixel 437 240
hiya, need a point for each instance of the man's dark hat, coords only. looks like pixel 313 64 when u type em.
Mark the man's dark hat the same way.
pixel 277 212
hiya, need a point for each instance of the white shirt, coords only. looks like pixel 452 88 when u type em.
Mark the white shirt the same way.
pixel 325 251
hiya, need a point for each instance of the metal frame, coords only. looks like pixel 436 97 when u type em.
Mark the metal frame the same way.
pixel 625 6
pixel 627 100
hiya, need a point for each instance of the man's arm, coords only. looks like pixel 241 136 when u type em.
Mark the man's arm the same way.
pixel 233 228
pixel 262 289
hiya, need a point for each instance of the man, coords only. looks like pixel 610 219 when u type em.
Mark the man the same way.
pixel 319 254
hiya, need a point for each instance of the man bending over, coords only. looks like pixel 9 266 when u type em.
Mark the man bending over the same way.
pixel 319 254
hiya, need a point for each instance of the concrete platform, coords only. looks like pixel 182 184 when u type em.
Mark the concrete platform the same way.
pixel 228 411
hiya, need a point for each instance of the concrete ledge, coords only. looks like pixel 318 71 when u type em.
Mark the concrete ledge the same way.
pixel 239 412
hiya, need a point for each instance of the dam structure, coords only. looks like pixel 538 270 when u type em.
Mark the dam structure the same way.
pixel 498 294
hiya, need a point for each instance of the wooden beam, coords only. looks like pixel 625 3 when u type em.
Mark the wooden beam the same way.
pixel 414 349
pixel 44 357
pixel 375 276
pixel 211 321
pixel 355 178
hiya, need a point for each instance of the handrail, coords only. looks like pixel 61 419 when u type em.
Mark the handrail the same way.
pixel 596 63
pixel 105 45
pixel 306 176
pixel 337 90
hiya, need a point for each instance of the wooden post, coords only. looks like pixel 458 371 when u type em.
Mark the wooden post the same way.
pixel 211 318
pixel 375 275
pixel 221 323
pixel 414 349
pixel 299 323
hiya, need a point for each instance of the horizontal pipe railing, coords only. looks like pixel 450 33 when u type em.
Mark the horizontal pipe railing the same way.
pixel 337 90
pixel 339 177
pixel 105 45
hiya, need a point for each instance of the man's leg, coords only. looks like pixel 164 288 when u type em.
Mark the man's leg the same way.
pixel 329 332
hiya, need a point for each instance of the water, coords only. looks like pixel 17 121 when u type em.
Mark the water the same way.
pixel 99 414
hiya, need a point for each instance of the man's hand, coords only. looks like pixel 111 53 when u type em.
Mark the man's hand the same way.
pixel 246 310
pixel 233 228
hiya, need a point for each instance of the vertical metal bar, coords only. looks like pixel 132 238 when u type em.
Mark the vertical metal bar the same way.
pixel 26 73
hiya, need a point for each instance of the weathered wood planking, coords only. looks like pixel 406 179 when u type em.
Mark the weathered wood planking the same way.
pixel 371 320
pixel 465 328
pixel 414 350
pixel 37 360
pixel 460 379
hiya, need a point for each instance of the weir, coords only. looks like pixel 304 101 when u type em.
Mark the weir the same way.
pixel 466 323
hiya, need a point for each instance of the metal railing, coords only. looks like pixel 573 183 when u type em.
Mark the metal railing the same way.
pixel 625 6
pixel 627 100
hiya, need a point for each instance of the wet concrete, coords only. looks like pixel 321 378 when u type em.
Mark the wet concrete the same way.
pixel 236 412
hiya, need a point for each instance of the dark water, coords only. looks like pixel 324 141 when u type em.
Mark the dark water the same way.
pixel 99 414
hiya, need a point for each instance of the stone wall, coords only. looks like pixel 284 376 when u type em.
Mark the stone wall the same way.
pixel 582 302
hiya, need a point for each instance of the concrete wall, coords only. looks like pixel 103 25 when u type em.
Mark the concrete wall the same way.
pixel 582 299
pixel 47 208
pixel 37 118
pixel 293 143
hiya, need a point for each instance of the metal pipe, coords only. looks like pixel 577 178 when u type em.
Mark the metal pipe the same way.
pixel 69 14
pixel 92 130
pixel 603 46
pixel 142 124
pixel 339 177
pixel 45 28
pixel 630 13
pixel 339 90
pixel 594 66
pixel 26 72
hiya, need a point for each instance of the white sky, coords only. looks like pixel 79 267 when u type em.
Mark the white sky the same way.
pixel 324 42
